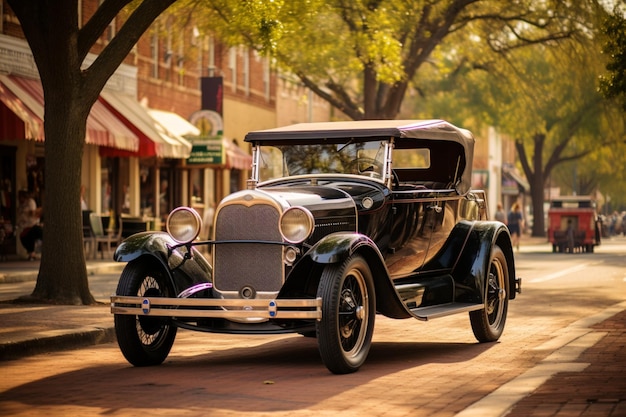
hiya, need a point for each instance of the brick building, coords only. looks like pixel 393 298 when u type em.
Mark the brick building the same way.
pixel 175 92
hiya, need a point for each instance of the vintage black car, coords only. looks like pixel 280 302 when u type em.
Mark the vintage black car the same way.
pixel 340 221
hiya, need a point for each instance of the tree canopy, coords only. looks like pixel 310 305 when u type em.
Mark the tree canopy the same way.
pixel 516 65
pixel 613 84
pixel 362 56
pixel 544 97
pixel 528 68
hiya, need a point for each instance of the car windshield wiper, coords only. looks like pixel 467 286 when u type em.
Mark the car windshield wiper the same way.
pixel 350 142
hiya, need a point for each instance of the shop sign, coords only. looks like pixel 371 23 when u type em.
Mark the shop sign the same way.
pixel 207 152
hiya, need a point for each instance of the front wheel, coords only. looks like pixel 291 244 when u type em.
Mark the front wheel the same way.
pixel 344 333
pixel 488 323
pixel 144 340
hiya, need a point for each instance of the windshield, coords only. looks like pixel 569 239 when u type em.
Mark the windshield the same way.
pixel 363 158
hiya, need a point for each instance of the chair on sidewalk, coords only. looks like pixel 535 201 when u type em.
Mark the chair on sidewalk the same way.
pixel 108 238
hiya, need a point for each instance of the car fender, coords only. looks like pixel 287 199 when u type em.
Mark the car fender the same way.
pixel 471 265
pixel 184 271
pixel 144 243
pixel 338 246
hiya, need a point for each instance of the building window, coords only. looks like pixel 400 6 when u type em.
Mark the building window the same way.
pixel 246 71
pixel 180 62
pixel 232 65
pixel 198 42
pixel 154 46
pixel 211 56
pixel 168 57
pixel 109 32
pixel 266 79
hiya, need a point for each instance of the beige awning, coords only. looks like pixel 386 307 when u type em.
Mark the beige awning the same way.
pixel 166 144
pixel 175 123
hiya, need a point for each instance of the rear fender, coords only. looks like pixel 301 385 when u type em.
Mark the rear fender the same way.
pixel 184 271
pixel 472 264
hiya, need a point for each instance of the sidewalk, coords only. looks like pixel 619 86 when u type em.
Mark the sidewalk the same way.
pixel 28 329
pixel 596 387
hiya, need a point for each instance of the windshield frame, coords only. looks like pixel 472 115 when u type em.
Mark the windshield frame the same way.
pixel 347 146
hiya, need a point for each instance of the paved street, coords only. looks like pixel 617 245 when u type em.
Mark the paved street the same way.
pixel 562 354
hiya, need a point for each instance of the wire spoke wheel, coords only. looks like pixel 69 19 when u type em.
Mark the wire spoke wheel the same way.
pixel 144 340
pixel 488 323
pixel 348 312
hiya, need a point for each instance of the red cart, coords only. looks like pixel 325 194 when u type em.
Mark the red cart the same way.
pixel 573 224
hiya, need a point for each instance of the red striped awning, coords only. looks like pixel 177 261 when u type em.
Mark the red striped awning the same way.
pixel 14 99
pixel 103 127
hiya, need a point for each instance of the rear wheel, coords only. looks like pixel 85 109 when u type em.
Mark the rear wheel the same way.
pixel 144 340
pixel 348 311
pixel 488 323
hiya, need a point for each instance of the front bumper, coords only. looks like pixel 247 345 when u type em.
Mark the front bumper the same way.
pixel 217 308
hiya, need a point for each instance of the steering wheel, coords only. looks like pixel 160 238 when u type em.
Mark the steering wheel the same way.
pixel 365 166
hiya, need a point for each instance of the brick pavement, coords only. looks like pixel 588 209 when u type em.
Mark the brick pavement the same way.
pixel 599 390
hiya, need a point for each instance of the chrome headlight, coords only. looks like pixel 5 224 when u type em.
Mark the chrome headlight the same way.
pixel 183 224
pixel 296 224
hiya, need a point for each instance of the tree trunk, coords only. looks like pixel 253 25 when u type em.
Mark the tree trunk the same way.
pixel 535 174
pixel 536 194
pixel 537 181
pixel 63 274
pixel 59 48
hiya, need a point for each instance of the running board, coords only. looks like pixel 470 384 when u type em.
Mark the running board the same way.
pixel 427 313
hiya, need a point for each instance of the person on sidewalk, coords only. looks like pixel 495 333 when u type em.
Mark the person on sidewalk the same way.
pixel 29 223
pixel 515 223
pixel 500 214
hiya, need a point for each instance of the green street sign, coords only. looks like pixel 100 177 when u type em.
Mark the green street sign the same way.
pixel 207 152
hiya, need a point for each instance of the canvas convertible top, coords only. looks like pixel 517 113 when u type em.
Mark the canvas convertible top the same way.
pixel 454 146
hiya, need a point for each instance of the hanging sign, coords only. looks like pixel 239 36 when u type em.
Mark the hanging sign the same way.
pixel 209 151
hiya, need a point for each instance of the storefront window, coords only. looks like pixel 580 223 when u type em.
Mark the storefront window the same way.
pixel 106 196
pixel 147 191
pixel 115 193
pixel 235 176
pixel 8 200
pixel 164 198
pixel 35 167
pixel 196 180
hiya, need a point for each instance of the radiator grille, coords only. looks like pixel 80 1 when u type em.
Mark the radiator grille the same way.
pixel 239 265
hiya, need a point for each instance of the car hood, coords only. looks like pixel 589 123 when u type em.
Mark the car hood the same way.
pixel 322 201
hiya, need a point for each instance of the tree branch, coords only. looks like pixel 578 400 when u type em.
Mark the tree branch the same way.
pixel 343 103
pixel 95 26
pixel 122 43
pixel 523 157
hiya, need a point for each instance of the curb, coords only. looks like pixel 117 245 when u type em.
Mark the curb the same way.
pixel 56 341
pixel 47 341
pixel 14 277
